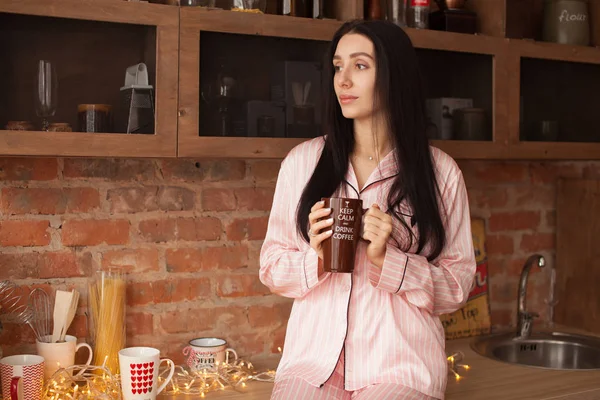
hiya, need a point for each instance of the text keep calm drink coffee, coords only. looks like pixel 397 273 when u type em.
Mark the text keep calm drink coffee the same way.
pixel 339 250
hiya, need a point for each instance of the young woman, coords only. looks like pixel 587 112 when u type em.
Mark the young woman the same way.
pixel 373 334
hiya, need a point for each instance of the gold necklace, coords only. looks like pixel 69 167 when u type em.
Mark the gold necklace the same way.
pixel 356 157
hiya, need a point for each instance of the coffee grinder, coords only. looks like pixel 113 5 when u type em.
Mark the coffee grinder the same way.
pixel 139 100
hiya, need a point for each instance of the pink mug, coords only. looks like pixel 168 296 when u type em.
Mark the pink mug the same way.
pixel 22 377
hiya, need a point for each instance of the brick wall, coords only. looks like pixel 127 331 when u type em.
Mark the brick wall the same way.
pixel 188 232
pixel 518 202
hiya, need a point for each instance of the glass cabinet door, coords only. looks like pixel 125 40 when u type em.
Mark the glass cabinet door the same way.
pixel 94 79
pixel 250 84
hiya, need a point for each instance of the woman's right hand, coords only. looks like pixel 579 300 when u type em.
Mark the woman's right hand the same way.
pixel 318 226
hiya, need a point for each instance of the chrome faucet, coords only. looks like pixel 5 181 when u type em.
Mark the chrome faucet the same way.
pixel 525 318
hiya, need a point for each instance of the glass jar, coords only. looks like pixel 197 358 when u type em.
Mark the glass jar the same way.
pixel 470 124
pixel 251 6
pixel 107 308
pixel 95 117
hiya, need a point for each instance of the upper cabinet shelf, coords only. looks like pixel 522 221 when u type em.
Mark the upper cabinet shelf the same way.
pixel 86 47
pixel 245 85
pixel 458 42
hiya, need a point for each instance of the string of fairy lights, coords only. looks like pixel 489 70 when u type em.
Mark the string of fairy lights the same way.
pixel 83 382
pixel 455 363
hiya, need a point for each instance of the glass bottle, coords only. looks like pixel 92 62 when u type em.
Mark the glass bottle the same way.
pixel 396 12
pixel 374 9
pixel 417 15
pixel 302 8
pixel 46 99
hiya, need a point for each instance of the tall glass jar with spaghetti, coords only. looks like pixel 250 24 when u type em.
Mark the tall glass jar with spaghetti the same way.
pixel 107 311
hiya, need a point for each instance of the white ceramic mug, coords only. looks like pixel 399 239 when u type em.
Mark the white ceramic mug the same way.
pixel 22 377
pixel 139 372
pixel 205 352
pixel 60 355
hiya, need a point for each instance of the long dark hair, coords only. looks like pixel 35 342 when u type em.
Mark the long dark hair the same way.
pixel 399 88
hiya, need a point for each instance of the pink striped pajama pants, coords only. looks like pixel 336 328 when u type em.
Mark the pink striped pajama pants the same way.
pixel 298 389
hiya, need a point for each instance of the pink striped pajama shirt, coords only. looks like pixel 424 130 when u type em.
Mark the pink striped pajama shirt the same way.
pixel 385 320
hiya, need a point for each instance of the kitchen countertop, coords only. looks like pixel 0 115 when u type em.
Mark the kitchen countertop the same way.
pixel 493 380
pixel 486 379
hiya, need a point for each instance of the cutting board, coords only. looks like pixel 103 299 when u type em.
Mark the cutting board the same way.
pixel 578 254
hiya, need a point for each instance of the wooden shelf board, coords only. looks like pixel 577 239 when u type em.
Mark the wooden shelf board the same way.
pixel 555 151
pixel 61 144
pixel 555 51
pixel 474 150
pixel 118 11
pixel 237 147
pixel 458 42
pixel 244 147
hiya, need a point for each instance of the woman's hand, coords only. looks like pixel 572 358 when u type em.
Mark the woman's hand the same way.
pixel 377 228
pixel 318 226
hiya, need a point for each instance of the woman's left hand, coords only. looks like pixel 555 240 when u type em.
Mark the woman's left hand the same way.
pixel 377 228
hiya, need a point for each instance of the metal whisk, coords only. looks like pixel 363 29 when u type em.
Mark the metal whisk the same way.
pixel 39 304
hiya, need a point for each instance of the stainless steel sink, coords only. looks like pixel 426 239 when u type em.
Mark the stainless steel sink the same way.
pixel 551 350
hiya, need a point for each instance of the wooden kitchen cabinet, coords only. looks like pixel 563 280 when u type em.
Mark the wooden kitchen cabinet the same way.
pixel 188 50
pixel 90 43
pixel 554 98
pixel 488 68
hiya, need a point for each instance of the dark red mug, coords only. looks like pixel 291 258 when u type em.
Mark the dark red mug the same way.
pixel 339 249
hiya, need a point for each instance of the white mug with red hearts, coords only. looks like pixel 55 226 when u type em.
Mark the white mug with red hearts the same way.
pixel 139 372
pixel 22 377
pixel 205 352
